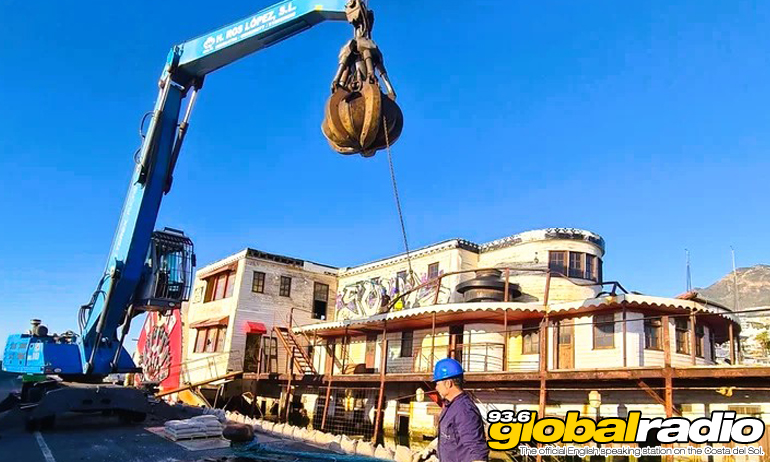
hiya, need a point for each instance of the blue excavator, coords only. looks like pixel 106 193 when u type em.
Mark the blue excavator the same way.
pixel 153 270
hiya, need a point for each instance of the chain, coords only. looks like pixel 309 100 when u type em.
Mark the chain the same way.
pixel 398 200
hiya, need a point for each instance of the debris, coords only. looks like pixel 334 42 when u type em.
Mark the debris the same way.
pixel 238 433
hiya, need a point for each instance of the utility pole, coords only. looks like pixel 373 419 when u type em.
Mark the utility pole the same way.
pixel 689 274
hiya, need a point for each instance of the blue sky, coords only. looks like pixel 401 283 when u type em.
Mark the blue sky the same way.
pixel 646 123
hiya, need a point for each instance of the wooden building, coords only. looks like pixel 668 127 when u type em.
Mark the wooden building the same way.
pixel 535 324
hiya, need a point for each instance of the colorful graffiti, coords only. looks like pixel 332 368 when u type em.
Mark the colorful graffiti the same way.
pixel 160 349
pixel 367 298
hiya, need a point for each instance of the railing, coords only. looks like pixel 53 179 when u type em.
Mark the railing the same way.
pixel 207 367
pixel 483 355
pixel 512 350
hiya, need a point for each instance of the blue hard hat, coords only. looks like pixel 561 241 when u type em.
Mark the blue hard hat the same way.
pixel 447 368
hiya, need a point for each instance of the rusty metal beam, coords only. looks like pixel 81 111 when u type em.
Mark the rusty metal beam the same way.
pixel 732 342
pixel 625 341
pixel 666 342
pixel 505 328
pixel 636 373
pixel 654 395
pixel 383 365
pixel 330 372
pixel 693 359
pixel 433 340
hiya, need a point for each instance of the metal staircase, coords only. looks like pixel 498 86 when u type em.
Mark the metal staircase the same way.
pixel 293 347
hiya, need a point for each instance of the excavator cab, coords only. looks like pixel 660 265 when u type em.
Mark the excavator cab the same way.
pixel 168 275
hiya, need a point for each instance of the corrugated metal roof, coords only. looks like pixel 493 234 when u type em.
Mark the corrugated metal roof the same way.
pixel 627 300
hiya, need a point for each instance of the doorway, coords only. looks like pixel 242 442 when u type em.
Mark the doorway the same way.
pixel 565 345
pixel 371 352
pixel 251 355
pixel 402 432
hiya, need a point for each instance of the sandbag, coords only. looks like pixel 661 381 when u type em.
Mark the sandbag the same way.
pixel 384 453
pixel 348 445
pixel 365 448
pixel 335 447
pixel 403 454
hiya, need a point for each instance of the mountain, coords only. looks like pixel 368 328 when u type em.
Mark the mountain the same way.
pixel 753 288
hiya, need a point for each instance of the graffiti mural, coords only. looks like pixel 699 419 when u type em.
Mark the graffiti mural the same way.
pixel 160 349
pixel 366 298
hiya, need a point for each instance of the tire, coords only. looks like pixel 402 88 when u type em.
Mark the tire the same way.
pixel 48 422
pixel 31 425
pixel 131 416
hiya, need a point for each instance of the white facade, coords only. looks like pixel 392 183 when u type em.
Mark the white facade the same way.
pixel 246 309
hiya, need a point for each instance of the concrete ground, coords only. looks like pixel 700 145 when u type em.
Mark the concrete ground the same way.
pixel 96 438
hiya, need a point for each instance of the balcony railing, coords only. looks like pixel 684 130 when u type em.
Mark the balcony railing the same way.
pixel 488 351
pixel 364 357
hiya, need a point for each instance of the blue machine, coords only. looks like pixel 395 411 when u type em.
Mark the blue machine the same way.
pixel 153 270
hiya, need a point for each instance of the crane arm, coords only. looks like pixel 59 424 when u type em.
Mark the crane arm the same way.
pixel 131 284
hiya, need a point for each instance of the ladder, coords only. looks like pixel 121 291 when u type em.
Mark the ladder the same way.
pixel 290 342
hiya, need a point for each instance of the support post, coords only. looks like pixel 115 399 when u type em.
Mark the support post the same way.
pixel 732 342
pixel 542 368
pixel 438 290
pixel 345 341
pixel 547 288
pixel 507 283
pixel 288 387
pixel 666 342
pixel 693 359
pixel 505 336
pixel 625 342
pixel 330 369
pixel 433 341
pixel 383 366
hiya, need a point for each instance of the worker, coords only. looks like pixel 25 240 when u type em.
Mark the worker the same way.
pixel 461 429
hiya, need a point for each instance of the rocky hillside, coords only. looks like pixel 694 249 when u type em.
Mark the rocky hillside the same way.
pixel 753 288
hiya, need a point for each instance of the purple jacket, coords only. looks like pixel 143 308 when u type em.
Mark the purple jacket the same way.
pixel 461 432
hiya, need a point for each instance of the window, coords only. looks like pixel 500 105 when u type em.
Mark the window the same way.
pixel 530 338
pixel 285 289
pixel 682 335
pixel 600 270
pixel 220 286
pixel 576 265
pixel 210 339
pixel 751 411
pixel 400 281
pixel 407 341
pixel 258 282
pixel 700 337
pixel 591 273
pixel 432 271
pixel 652 330
pixel 198 294
pixel 604 331
pixel 320 300
pixel 557 262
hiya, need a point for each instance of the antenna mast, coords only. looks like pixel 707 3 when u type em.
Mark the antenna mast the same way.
pixel 735 282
